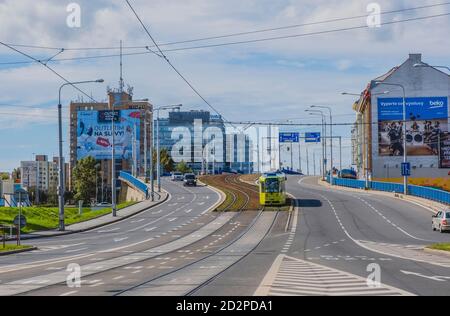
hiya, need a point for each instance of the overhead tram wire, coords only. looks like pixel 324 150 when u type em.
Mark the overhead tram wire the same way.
pixel 170 63
pixel 49 68
pixel 235 34
pixel 234 43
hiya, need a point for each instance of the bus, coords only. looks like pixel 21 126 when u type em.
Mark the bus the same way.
pixel 272 189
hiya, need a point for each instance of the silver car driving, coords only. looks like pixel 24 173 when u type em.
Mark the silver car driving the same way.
pixel 441 221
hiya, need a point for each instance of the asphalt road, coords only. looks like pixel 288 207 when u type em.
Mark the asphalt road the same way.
pixel 332 247
pixel 184 212
pixel 332 244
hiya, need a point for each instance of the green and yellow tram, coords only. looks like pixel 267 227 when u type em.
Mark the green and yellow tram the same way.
pixel 272 189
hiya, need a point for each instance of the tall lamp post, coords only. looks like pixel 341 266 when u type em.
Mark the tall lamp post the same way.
pixel 366 167
pixel 61 188
pixel 113 153
pixel 158 154
pixel 331 129
pixel 405 152
pixel 324 144
pixel 422 65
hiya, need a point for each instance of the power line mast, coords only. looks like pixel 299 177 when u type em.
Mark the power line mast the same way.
pixel 121 83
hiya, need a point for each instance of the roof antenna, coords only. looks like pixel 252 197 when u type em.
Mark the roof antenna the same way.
pixel 121 84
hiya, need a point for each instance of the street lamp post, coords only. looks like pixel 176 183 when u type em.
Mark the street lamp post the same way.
pixel 61 188
pixel 158 154
pixel 366 167
pixel 422 65
pixel 324 144
pixel 331 129
pixel 405 152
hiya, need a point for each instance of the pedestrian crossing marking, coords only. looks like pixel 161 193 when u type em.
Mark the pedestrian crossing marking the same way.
pixel 290 276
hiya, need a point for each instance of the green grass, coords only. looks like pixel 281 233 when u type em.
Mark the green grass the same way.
pixel 442 246
pixel 12 247
pixel 46 218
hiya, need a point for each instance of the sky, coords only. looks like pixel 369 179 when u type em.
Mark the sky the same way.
pixel 266 80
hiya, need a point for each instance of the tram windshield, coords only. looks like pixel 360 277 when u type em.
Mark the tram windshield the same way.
pixel 272 186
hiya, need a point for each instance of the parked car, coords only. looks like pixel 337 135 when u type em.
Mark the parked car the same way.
pixel 348 174
pixel 190 180
pixel 441 221
pixel 177 176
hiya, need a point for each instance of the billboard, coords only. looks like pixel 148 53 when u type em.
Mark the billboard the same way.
pixel 444 158
pixel 94 134
pixel 426 118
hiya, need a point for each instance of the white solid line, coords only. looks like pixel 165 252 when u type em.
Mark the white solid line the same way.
pixel 68 293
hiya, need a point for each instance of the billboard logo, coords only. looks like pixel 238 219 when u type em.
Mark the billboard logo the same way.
pixel 437 103
pixel 374 18
pixel 74 18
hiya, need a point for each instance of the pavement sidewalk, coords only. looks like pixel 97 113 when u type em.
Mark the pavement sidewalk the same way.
pixel 101 221
pixel 430 205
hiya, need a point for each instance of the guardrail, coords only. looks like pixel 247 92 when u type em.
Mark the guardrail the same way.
pixel 414 190
pixel 138 184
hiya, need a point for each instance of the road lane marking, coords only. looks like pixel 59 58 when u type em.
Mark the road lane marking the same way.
pixel 76 250
pixel 68 293
pixel 120 239
pixel 108 230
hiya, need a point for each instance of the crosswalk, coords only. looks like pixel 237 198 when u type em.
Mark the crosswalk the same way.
pixel 290 276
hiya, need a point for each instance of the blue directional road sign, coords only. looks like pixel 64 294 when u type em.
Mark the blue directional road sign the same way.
pixel 289 137
pixel 406 169
pixel 312 138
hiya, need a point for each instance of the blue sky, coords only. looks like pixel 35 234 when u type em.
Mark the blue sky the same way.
pixel 276 79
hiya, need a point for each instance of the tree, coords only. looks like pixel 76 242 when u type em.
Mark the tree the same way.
pixel 84 175
pixel 167 162
pixel 183 167
pixel 4 176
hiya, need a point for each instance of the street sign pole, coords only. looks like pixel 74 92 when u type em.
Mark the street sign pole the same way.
pixel 20 216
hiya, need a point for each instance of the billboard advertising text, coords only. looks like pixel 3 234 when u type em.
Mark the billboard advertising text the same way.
pixel 94 134
pixel 444 159
pixel 426 118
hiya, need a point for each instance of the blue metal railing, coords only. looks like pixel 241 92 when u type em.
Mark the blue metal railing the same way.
pixel 387 186
pixel 349 183
pixel 414 190
pixel 138 184
pixel 430 193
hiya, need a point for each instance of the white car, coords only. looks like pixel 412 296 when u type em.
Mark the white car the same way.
pixel 177 176
pixel 441 221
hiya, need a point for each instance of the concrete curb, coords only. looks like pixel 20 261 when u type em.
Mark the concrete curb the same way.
pixel 56 234
pixel 13 252
pixel 433 208
pixel 437 252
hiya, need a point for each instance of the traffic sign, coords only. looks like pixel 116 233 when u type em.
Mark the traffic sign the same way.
pixel 312 137
pixel 406 169
pixel 289 137
pixel 22 220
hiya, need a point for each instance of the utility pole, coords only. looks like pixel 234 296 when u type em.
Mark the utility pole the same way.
pixel 307 160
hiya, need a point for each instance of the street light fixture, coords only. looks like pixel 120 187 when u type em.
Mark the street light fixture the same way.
pixel 61 188
pixel 158 154
pixel 366 173
pixel 405 153
pixel 331 130
pixel 324 145
pixel 422 65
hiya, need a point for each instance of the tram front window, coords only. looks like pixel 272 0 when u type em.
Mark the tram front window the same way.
pixel 272 186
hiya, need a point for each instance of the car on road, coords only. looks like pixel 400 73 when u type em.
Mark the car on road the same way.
pixel 177 176
pixel 190 180
pixel 348 174
pixel 441 221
